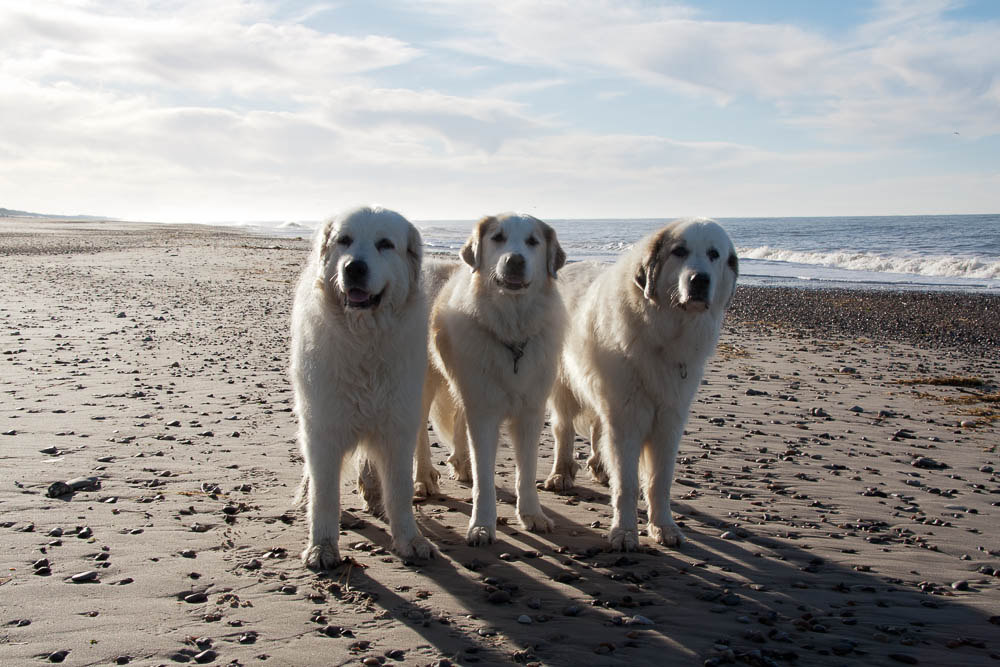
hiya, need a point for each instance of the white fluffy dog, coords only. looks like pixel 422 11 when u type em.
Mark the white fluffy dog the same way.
pixel 636 346
pixel 358 360
pixel 495 338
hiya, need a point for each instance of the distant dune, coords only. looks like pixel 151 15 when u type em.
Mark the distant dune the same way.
pixel 13 213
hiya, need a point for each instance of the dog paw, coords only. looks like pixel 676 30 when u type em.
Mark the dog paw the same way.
pixel 422 491
pixel 323 556
pixel 461 469
pixel 669 535
pixel 479 536
pixel 537 522
pixel 425 487
pixel 559 482
pixel 418 547
pixel 623 540
pixel 596 469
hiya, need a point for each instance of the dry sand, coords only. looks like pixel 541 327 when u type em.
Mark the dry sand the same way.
pixel 834 514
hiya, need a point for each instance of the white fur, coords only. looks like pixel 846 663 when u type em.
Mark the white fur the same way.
pixel 357 372
pixel 472 387
pixel 635 352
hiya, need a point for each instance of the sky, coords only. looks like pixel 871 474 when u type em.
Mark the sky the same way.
pixel 252 110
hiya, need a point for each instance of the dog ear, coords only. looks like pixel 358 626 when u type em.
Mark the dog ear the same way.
pixel 733 262
pixel 321 250
pixel 649 270
pixel 322 247
pixel 555 257
pixel 414 253
pixel 472 251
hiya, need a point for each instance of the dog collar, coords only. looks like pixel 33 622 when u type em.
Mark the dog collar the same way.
pixel 516 351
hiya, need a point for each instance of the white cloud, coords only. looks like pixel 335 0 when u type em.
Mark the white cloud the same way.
pixel 191 110
pixel 909 71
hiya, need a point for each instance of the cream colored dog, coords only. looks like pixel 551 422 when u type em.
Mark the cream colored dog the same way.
pixel 636 346
pixel 494 346
pixel 358 360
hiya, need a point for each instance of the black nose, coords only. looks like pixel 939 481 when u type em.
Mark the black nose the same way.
pixel 514 262
pixel 356 270
pixel 700 283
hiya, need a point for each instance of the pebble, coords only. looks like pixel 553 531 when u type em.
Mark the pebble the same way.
pixel 499 596
pixel 524 619
pixel 640 620
pixel 961 585
pixel 84 577
pixel 57 656
pixel 205 656
pixel 196 597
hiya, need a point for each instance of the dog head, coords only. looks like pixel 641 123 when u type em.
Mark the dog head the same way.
pixel 368 257
pixel 689 264
pixel 514 251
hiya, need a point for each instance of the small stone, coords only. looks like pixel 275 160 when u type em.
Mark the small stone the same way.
pixel 499 596
pixel 728 535
pixel 84 577
pixel 196 597
pixel 640 620
pixel 572 610
pixel 961 585
pixel 58 489
pixel 205 656
pixel 524 619
pixel 534 603
pixel 57 656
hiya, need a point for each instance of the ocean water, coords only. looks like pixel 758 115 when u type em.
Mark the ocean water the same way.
pixel 928 252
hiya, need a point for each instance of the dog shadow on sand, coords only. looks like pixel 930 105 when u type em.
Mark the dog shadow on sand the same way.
pixel 563 598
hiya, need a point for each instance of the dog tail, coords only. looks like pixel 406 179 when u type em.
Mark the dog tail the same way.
pixel 302 492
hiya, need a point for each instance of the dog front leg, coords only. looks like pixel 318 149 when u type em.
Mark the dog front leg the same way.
pixel 394 461
pixel 620 449
pixel 484 431
pixel 660 455
pixel 323 465
pixel 526 429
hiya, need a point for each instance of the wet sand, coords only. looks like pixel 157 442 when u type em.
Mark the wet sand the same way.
pixel 840 501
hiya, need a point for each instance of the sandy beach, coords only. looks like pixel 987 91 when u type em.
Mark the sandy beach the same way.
pixel 838 484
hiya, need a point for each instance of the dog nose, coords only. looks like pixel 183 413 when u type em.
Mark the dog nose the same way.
pixel 355 270
pixel 700 283
pixel 514 262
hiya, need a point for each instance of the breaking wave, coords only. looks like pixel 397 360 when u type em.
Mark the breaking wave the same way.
pixel 931 265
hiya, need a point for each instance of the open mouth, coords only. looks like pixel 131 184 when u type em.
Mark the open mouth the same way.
pixel 511 283
pixel 361 299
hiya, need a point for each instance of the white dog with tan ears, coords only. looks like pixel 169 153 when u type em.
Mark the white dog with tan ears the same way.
pixel 636 346
pixel 495 338
pixel 358 361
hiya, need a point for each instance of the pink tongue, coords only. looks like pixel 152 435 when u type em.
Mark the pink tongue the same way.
pixel 357 295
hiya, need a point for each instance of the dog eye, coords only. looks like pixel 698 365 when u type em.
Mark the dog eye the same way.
pixel 679 251
pixel 532 241
pixel 384 244
pixel 713 254
pixel 344 241
pixel 498 237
